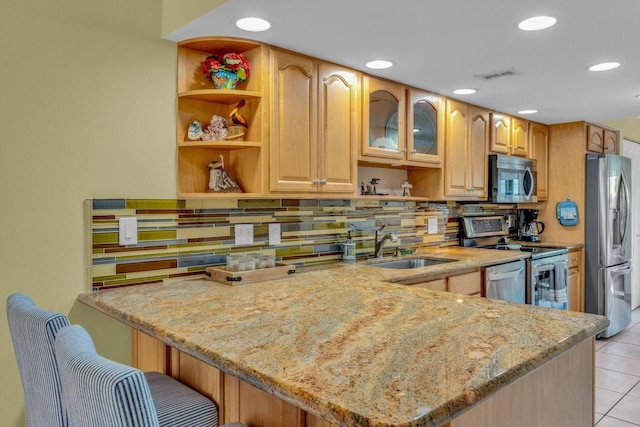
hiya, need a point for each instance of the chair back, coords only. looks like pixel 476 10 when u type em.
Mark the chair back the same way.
pixel 98 391
pixel 33 332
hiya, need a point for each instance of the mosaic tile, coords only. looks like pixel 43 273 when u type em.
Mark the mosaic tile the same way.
pixel 98 204
pixel 206 204
pixel 155 204
pixel 259 203
pixel 179 238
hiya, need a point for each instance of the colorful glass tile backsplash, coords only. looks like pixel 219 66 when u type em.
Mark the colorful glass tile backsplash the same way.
pixel 181 238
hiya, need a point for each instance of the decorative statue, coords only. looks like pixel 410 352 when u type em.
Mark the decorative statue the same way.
pixel 238 118
pixel 195 131
pixel 219 179
pixel 406 187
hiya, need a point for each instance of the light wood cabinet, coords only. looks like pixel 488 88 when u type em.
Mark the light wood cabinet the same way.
pixel 467 134
pixel 314 125
pixel 425 128
pixel 466 284
pixel 601 140
pixel 509 135
pixel 464 174
pixel 575 280
pixel 539 142
pixel 383 121
pixel 199 100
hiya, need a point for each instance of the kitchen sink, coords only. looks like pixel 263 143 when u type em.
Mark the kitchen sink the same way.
pixel 404 264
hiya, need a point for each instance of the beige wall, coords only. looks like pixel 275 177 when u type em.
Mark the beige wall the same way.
pixel 629 128
pixel 87 111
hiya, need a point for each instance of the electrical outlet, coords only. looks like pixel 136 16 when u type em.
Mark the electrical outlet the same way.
pixel 244 234
pixel 432 226
pixel 128 231
pixel 274 234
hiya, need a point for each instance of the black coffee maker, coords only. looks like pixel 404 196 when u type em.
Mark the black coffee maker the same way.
pixel 529 228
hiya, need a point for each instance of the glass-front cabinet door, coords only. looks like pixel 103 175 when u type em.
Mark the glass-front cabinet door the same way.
pixel 425 128
pixel 384 120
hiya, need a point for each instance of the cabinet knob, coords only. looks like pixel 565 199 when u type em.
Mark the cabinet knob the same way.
pixel 414 151
pixel 404 150
pixel 323 181
pixel 316 181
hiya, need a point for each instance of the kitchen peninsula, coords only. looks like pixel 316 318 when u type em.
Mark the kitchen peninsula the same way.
pixel 341 344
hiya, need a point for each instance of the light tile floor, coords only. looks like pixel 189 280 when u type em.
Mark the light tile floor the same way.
pixel 618 377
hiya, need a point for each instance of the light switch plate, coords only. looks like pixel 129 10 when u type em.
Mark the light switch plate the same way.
pixel 274 234
pixel 128 231
pixel 244 234
pixel 432 226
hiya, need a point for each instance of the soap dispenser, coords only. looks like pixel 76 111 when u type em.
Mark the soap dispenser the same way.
pixel 349 249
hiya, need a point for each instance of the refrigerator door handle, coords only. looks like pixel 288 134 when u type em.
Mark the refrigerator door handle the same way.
pixel 626 209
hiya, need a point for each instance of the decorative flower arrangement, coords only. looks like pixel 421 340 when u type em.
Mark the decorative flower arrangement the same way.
pixel 225 73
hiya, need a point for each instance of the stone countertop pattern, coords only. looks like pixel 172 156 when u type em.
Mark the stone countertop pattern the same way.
pixel 346 345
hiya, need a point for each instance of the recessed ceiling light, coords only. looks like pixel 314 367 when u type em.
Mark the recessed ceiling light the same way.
pixel 604 66
pixel 379 64
pixel 253 24
pixel 468 91
pixel 537 23
pixel 527 111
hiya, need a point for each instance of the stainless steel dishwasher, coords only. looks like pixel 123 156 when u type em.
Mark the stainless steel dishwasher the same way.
pixel 507 282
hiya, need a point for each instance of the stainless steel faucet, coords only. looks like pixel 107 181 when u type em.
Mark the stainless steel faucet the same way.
pixel 379 246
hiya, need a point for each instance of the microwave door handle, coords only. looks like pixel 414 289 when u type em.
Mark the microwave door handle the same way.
pixel 507 275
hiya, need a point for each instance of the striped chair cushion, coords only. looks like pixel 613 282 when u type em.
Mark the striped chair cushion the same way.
pixel 33 332
pixel 100 392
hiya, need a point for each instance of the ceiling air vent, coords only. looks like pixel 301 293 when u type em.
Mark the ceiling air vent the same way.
pixel 498 74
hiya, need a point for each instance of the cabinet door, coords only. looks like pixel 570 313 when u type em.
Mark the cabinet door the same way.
pixel 425 128
pixel 575 282
pixel 610 141
pixel 434 285
pixel 466 284
pixel 456 146
pixel 479 130
pixel 293 161
pixel 338 128
pixel 595 138
pixel 539 139
pixel 519 137
pixel 500 133
pixel 383 114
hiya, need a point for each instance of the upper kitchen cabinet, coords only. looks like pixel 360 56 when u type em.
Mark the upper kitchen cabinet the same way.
pixel 539 142
pixel 383 124
pixel 425 128
pixel 464 175
pixel 401 126
pixel 198 99
pixel 601 139
pixel 315 117
pixel 509 135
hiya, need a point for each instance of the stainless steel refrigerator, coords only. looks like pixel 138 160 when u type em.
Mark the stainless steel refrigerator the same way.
pixel 608 239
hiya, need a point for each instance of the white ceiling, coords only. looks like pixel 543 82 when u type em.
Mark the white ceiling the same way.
pixel 439 45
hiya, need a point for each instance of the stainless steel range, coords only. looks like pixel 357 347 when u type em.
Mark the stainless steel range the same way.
pixel 540 280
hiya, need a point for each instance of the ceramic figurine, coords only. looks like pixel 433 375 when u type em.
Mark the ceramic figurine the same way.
pixel 406 187
pixel 238 118
pixel 219 179
pixel 373 183
pixel 195 131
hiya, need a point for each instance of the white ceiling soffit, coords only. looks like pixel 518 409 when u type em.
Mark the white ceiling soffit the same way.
pixel 444 45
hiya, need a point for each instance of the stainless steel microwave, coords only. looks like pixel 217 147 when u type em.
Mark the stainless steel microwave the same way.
pixel 512 179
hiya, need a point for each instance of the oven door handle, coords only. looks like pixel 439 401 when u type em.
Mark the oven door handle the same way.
pixel 543 268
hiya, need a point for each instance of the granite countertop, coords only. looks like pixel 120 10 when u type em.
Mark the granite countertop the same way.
pixel 345 344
